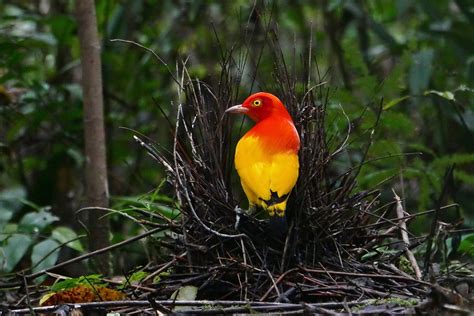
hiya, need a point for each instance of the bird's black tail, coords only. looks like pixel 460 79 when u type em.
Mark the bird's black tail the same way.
pixel 277 227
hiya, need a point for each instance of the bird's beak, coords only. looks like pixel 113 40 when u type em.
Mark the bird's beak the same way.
pixel 237 109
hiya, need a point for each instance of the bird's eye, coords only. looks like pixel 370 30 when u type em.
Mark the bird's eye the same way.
pixel 257 102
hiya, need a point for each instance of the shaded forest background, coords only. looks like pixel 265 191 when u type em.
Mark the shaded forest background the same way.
pixel 414 61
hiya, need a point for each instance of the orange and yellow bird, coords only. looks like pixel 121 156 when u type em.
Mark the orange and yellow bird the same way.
pixel 266 157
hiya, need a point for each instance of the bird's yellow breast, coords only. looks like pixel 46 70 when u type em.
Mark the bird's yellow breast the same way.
pixel 262 172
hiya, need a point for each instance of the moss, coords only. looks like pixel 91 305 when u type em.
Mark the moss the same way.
pixel 385 301
pixel 405 265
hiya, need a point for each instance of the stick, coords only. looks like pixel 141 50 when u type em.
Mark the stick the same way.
pixel 240 306
pixel 367 275
pixel 434 223
pixel 404 234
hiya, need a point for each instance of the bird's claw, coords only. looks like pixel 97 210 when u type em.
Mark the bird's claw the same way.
pixel 238 210
pixel 238 213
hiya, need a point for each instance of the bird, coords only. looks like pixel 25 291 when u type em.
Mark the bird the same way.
pixel 266 157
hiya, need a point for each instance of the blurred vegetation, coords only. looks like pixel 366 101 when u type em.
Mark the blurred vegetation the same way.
pixel 405 66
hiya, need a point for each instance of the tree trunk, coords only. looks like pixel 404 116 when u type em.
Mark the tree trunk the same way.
pixel 96 186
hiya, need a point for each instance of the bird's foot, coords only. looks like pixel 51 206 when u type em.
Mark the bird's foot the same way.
pixel 238 210
pixel 238 213
pixel 252 209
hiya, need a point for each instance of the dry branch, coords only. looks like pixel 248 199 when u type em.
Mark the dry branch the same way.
pixel 403 231
pixel 202 306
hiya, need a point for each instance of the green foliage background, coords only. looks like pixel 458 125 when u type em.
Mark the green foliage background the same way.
pixel 415 59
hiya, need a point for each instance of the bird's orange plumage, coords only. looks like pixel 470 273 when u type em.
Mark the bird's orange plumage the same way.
pixel 266 157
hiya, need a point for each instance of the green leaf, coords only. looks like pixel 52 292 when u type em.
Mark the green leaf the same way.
pixel 136 277
pixel 412 173
pixel 464 177
pixel 369 255
pixel 92 279
pixel 10 198
pixel 32 205
pixel 467 245
pixel 150 203
pixel 396 80
pixel 64 235
pixel 157 278
pixel 397 124
pixel 5 216
pixel 448 95
pixel 14 250
pixel 37 220
pixel 356 61
pixel 385 147
pixel 378 251
pixel 394 102
pixel 64 284
pixel 44 254
pixel 167 211
pixel 420 71
pixel 40 39
pixel 458 159
pixel 62 27
pixel 8 230
pixel 422 148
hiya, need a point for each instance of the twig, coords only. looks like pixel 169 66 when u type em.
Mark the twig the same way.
pixel 403 231
pixel 368 275
pixel 238 306
pixel 406 217
pixel 281 277
pixel 163 268
pixel 274 286
pixel 244 255
pixel 348 134
pixel 153 53
pixel 434 223
pixel 28 301
pixel 186 193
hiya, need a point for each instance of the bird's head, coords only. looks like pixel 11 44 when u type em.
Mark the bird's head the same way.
pixel 260 106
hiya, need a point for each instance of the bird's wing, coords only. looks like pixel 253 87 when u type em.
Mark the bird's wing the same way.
pixel 253 168
pixel 284 173
pixel 265 176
